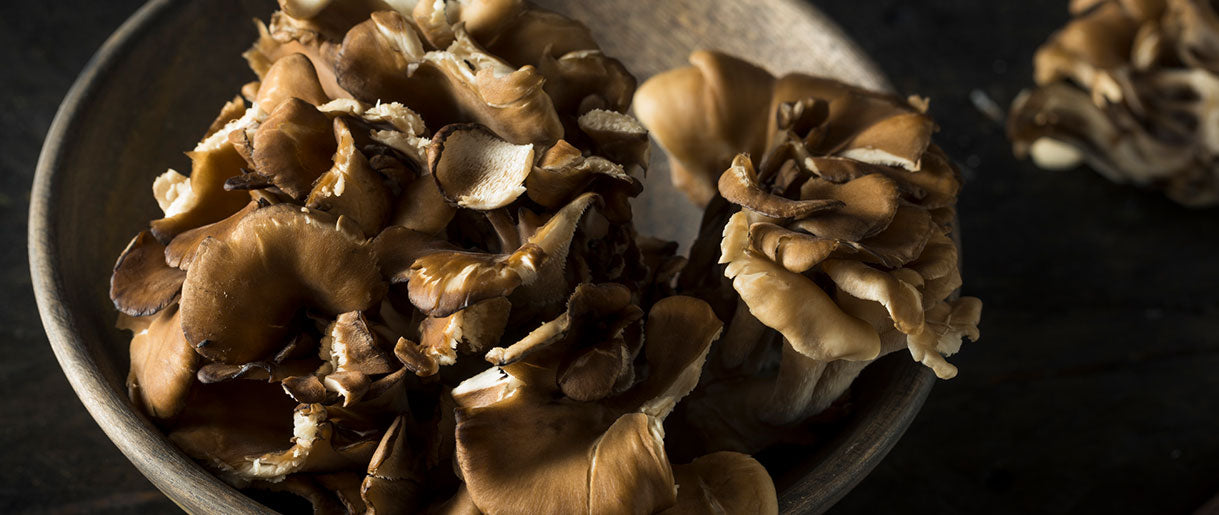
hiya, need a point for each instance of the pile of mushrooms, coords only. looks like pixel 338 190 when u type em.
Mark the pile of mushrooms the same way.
pixel 1131 87
pixel 402 273
pixel 831 248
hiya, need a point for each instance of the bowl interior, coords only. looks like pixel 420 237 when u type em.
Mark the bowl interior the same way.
pixel 155 86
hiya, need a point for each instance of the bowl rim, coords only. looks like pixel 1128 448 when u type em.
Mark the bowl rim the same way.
pixel 193 488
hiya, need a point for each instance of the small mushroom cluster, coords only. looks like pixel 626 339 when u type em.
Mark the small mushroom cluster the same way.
pixel 402 276
pixel 836 245
pixel 1131 87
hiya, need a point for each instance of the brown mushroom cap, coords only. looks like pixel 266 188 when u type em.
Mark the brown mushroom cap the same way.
pixel 443 282
pixel 563 172
pixel 421 207
pixel 163 364
pixel 739 184
pixel 200 199
pixel 351 188
pixel 242 292
pixel 292 76
pixel 349 345
pixel 471 330
pixel 793 305
pixel 180 252
pixel 476 169
pixel 287 36
pixel 596 453
pixel 142 283
pixel 617 136
pixel 591 346
pixel 724 482
pixel 254 448
pixel 704 115
pixel 383 59
pixel 396 481
pixel 293 147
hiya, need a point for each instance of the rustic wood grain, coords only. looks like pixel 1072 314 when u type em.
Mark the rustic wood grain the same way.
pixel 153 88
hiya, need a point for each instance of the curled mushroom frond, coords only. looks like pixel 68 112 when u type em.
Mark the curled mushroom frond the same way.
pixel 243 290
pixel 739 184
pixel 947 324
pixel 723 106
pixel 591 346
pixel 791 304
pixel 201 198
pixel 704 115
pixel 331 19
pixel 563 172
pixel 600 451
pixel 727 482
pixel 293 147
pixel 143 283
pixel 469 331
pixel 578 75
pixel 350 188
pixel 350 345
pixel 384 59
pixel 312 449
pixel 292 76
pixel 618 137
pixel 443 282
pixel 163 364
pixel 286 36
pixel 476 169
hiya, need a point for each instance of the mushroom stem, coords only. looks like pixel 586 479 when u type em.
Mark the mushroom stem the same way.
pixel 505 229
pixel 745 333
pixel 793 388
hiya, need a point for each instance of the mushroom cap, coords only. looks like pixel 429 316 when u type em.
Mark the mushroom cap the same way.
pixel 349 345
pixel 739 184
pixel 142 283
pixel 476 169
pixel 287 36
pixel 242 292
pixel 422 207
pixel 563 173
pixel 617 136
pixel 163 365
pixel 596 454
pixel 443 282
pixel 293 147
pixel 396 481
pixel 592 459
pixel 383 59
pixel 200 199
pixel 724 482
pixel 180 252
pixel 351 188
pixel 704 115
pixel 291 76
pixel 791 304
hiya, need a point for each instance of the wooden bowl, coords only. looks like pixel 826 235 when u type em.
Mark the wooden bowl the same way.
pixel 155 85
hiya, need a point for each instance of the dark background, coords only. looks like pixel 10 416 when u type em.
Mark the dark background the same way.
pixel 1095 387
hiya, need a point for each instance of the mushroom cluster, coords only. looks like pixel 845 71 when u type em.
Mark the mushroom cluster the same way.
pixel 1131 87
pixel 831 250
pixel 402 276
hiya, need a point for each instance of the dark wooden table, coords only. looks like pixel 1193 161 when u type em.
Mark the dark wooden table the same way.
pixel 1094 388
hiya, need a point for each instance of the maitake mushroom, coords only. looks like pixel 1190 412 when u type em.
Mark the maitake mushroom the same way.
pixel 838 239
pixel 406 278
pixel 409 189
pixel 1132 89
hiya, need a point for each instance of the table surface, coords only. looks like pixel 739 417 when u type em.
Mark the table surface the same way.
pixel 1094 387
